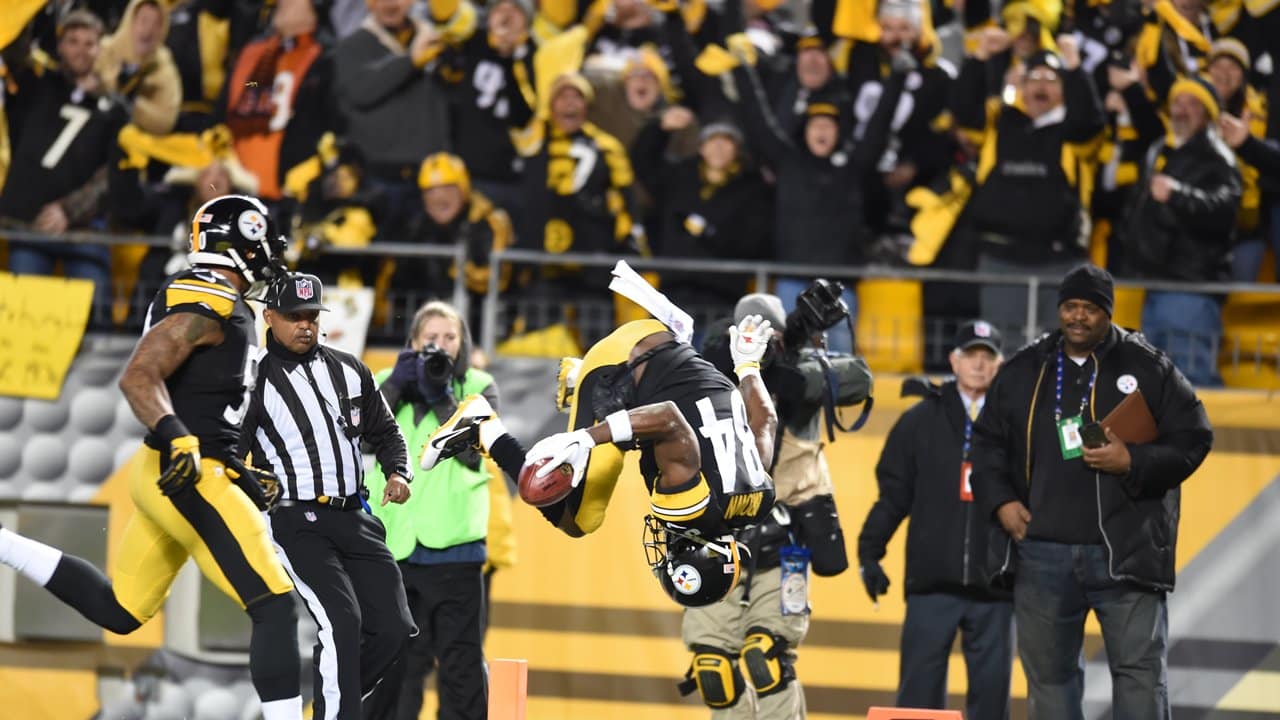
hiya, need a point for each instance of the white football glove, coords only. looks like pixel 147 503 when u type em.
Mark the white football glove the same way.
pixel 748 342
pixel 566 447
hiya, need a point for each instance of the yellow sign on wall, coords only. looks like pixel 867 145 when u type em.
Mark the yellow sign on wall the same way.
pixel 42 320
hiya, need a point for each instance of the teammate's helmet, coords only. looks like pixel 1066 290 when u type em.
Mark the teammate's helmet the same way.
pixel 235 231
pixel 693 570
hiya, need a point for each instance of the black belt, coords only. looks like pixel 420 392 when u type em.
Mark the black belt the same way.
pixel 350 502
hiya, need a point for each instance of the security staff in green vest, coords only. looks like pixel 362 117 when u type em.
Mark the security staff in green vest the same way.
pixel 438 536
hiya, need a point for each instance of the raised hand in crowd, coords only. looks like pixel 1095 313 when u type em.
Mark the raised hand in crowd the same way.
pixel 676 118
pixel 1121 78
pixel 1014 518
pixel 992 41
pixel 422 43
pixel 1235 130
pixel 1069 51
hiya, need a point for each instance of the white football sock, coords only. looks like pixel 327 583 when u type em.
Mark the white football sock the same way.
pixel 35 560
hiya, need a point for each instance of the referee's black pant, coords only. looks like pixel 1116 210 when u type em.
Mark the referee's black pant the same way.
pixel 448 607
pixel 345 574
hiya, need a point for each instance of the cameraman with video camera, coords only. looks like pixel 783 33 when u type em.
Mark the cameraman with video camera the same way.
pixel 438 536
pixel 766 617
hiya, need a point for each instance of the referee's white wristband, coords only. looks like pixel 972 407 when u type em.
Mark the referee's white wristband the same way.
pixel 619 427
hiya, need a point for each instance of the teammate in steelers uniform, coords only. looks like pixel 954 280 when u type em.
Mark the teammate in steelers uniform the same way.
pixel 189 381
pixel 641 388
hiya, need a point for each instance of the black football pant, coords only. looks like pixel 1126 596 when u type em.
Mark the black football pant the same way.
pixel 447 604
pixel 351 585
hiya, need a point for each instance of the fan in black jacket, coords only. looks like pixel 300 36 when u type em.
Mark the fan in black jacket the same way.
pixel 712 205
pixel 923 472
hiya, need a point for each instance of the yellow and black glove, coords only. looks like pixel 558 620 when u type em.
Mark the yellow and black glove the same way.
pixel 183 471
pixel 262 486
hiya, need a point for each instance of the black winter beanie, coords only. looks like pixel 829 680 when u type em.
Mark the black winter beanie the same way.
pixel 1089 282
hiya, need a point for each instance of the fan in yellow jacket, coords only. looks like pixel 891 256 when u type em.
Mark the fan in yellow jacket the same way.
pixel 135 64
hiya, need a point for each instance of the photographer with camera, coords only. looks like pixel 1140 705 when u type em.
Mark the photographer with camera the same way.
pixel 766 617
pixel 309 412
pixel 438 536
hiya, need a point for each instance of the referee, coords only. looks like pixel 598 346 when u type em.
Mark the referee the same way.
pixel 310 410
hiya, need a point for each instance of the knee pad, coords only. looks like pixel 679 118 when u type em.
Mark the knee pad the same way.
pixel 766 661
pixel 274 609
pixel 715 676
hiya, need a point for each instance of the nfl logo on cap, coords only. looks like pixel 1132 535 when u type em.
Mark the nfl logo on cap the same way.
pixel 982 329
pixel 304 288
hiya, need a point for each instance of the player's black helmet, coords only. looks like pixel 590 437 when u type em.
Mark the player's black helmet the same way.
pixel 693 570
pixel 235 231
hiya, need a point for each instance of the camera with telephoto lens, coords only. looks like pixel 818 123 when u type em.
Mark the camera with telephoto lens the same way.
pixel 821 306
pixel 437 364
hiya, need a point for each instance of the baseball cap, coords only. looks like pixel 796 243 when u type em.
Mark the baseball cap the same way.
pixel 978 332
pixel 296 291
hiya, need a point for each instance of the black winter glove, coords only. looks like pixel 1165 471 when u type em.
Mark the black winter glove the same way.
pixel 874 579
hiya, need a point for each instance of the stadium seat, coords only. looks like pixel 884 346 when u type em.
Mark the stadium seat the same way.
pixel 890 325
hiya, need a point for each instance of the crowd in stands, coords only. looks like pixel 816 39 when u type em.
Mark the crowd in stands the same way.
pixel 834 132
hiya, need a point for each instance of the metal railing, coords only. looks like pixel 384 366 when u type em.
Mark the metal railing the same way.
pixel 761 272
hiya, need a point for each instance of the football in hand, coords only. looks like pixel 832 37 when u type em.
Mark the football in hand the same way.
pixel 543 491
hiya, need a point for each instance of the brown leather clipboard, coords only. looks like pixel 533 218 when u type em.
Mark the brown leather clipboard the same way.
pixel 1131 420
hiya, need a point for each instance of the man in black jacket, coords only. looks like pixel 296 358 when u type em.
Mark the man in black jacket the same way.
pixel 1095 528
pixel 924 472
pixel 1181 226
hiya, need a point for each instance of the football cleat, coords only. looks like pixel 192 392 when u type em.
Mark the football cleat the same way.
pixel 459 432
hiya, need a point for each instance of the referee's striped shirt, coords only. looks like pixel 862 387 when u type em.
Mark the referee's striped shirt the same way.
pixel 296 424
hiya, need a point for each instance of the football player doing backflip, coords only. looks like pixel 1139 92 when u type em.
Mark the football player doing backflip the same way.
pixel 704 443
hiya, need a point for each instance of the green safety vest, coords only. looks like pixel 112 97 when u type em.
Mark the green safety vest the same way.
pixel 448 505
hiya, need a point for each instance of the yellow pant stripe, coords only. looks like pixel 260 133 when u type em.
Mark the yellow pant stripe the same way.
pixel 681 506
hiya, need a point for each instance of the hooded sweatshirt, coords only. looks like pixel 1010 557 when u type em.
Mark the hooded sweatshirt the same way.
pixel 152 82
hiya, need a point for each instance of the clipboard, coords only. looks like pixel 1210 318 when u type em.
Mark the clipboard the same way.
pixel 1131 420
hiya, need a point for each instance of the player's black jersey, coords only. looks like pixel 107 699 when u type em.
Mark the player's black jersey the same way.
pixel 489 99
pixel 741 489
pixel 60 137
pixel 210 390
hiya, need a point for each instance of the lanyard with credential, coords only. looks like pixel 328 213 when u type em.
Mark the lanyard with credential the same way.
pixel 1057 398
pixel 968 435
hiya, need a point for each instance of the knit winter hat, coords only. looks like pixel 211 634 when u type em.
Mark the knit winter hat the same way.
pixel 1089 282
pixel 768 307
pixel 1201 89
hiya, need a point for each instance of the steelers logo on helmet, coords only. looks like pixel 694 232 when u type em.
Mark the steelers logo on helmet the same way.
pixel 253 225
pixel 686 580
pixel 693 570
